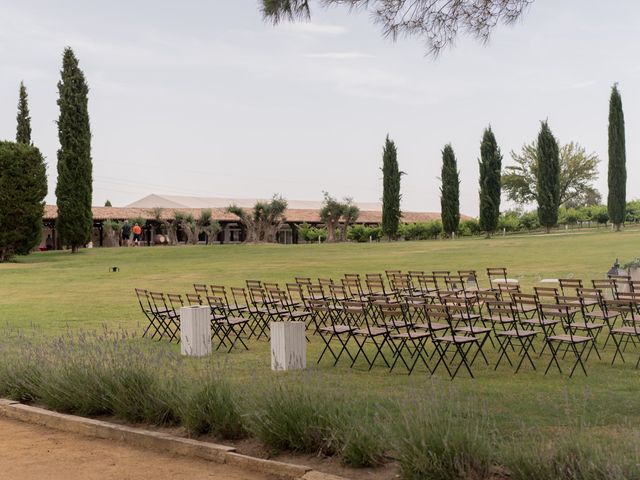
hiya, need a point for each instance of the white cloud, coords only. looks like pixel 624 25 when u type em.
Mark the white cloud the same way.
pixel 315 28
pixel 339 55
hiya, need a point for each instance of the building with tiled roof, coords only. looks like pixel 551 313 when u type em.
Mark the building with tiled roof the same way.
pixel 161 207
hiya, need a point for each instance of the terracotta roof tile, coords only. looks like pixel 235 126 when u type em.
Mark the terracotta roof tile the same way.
pixel 220 214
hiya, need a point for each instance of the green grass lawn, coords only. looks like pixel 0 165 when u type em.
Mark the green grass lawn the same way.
pixel 57 290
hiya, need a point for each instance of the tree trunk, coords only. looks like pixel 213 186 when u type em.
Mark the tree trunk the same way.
pixel 547 229
pixel 331 232
pixel 618 227
pixel 74 248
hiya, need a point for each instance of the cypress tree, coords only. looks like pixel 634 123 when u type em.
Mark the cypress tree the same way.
pixel 617 161
pixel 23 186
pixel 450 191
pixel 548 188
pixel 391 174
pixel 74 188
pixel 23 130
pixel 490 184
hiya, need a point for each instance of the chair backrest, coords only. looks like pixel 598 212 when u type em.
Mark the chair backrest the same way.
pixel 438 313
pixel 352 276
pixel 296 293
pixel 506 289
pixel 339 293
pixel 193 299
pixel 239 295
pixel 505 312
pixel 201 289
pixel 524 301
pixel 316 292
pixel 415 273
pixel 391 312
pixel 175 300
pixel 325 281
pixel 353 286
pixel 270 285
pixel 376 286
pixel 390 274
pixel 427 283
pixel 217 305
pixel 490 296
pixel 258 296
pixel 401 283
pixel 608 287
pixel 303 280
pixel 569 286
pixel 591 295
pixel 546 294
pixel 143 299
pixel 454 282
pixel 281 298
pixel 253 284
pixel 158 302
pixel 356 312
pixel 628 308
pixel 496 273
pixel 470 279
pixel 219 291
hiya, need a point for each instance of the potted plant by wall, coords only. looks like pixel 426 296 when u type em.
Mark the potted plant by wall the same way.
pixel 633 268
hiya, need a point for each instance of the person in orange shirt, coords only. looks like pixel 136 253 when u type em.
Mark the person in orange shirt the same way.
pixel 137 234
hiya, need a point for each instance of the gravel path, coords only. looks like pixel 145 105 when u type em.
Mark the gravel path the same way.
pixel 30 452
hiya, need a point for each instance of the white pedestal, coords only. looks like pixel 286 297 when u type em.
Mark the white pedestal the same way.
pixel 195 331
pixel 288 346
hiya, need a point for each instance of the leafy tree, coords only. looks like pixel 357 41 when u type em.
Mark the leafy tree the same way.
pixel 74 188
pixel 391 196
pixel 23 186
pixel 617 160
pixel 450 191
pixel 349 217
pixel 578 169
pixel 437 21
pixel 263 221
pixel 330 214
pixel 490 167
pixel 23 130
pixel 206 224
pixel 548 168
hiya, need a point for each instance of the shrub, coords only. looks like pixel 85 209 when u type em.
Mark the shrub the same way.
pixel 361 233
pixel 509 222
pixel 212 408
pixel 19 376
pixel 443 443
pixel 469 227
pixel 421 231
pixel 529 221
pixel 310 233
pixel 575 457
pixel 296 418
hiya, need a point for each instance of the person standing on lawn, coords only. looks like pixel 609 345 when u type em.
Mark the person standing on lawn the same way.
pixel 126 233
pixel 137 234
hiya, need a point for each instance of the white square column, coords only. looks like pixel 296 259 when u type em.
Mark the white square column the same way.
pixel 288 346
pixel 195 331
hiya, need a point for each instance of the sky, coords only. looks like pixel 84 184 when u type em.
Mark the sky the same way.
pixel 205 98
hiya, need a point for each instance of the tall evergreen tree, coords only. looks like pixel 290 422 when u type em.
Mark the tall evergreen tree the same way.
pixel 23 130
pixel 617 161
pixel 391 196
pixel 23 186
pixel 490 183
pixel 450 191
pixel 74 188
pixel 548 194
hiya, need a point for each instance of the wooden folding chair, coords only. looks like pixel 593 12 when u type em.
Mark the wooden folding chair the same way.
pixel 145 305
pixel 226 327
pixel 165 316
pixel 496 273
pixel 330 329
pixel 577 344
pixel 629 331
pixel 436 313
pixel 369 333
pixel 505 315
pixel 404 339
pixel 465 322
pixel 354 287
pixel 570 286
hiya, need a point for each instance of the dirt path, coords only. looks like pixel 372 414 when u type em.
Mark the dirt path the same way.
pixel 30 452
